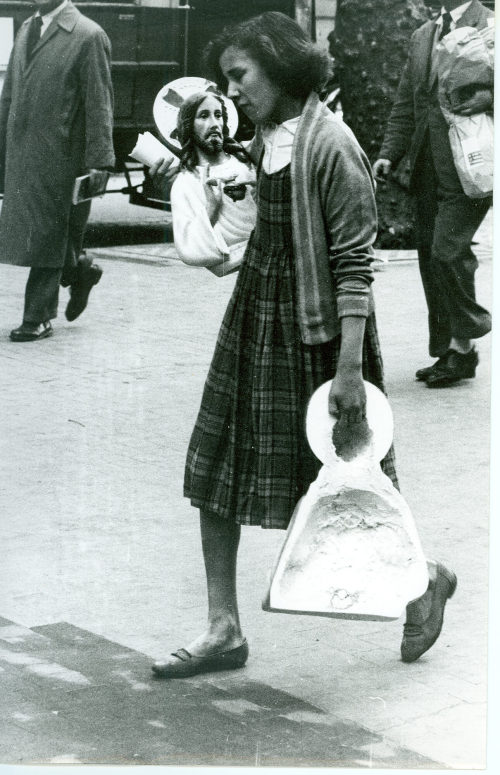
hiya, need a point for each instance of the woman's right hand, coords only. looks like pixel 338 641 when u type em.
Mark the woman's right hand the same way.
pixel 163 170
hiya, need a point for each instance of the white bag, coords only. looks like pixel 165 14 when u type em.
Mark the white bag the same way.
pixel 464 57
pixel 471 140
pixel 352 549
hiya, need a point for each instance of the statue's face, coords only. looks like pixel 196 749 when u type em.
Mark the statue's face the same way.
pixel 208 125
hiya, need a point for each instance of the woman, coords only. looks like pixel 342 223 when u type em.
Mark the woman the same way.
pixel 301 313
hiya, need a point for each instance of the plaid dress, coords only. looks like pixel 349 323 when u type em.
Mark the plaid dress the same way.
pixel 248 459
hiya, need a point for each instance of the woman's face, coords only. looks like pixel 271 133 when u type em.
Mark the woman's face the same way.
pixel 249 86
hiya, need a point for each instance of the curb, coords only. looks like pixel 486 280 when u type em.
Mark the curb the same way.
pixel 151 255
pixel 165 254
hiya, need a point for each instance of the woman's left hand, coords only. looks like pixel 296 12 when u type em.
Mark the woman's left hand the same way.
pixel 347 397
pixel 347 402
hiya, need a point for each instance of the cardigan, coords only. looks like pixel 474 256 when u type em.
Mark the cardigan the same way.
pixel 334 222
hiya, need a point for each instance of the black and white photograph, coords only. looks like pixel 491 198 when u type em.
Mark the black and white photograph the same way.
pixel 247 471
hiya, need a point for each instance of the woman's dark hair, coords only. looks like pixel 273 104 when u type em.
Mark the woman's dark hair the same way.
pixel 282 49
pixel 185 130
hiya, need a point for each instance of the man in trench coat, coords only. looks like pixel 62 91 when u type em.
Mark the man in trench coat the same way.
pixel 56 118
pixel 446 218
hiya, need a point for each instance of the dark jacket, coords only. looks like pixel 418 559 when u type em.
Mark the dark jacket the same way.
pixel 417 95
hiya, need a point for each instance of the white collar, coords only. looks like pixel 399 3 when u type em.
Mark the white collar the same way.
pixel 48 17
pixel 278 143
pixel 456 14
pixel 289 126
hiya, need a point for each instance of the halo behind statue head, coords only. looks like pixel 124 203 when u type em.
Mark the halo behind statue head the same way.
pixel 170 98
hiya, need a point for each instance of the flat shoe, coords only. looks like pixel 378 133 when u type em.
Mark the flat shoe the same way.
pixel 424 616
pixel 188 665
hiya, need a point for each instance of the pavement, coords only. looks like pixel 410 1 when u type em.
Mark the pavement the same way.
pixel 102 569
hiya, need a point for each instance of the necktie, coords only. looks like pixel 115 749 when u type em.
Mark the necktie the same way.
pixel 447 19
pixel 34 34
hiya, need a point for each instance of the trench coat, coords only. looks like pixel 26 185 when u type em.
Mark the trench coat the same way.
pixel 56 120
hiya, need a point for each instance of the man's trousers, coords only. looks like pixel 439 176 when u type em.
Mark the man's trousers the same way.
pixel 41 296
pixel 446 223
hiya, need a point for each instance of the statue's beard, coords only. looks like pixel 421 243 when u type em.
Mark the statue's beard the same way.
pixel 211 147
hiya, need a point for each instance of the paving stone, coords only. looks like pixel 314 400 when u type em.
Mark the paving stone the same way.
pixel 203 721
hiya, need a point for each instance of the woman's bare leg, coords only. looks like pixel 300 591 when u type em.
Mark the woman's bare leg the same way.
pixel 220 539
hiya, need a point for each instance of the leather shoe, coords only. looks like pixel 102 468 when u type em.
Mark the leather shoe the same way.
pixel 457 366
pixel 424 616
pixel 88 276
pixel 185 664
pixel 28 332
pixel 423 374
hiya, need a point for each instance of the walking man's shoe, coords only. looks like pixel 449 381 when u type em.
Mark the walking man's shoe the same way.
pixel 88 276
pixel 457 366
pixel 31 333
pixel 424 616
pixel 422 374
